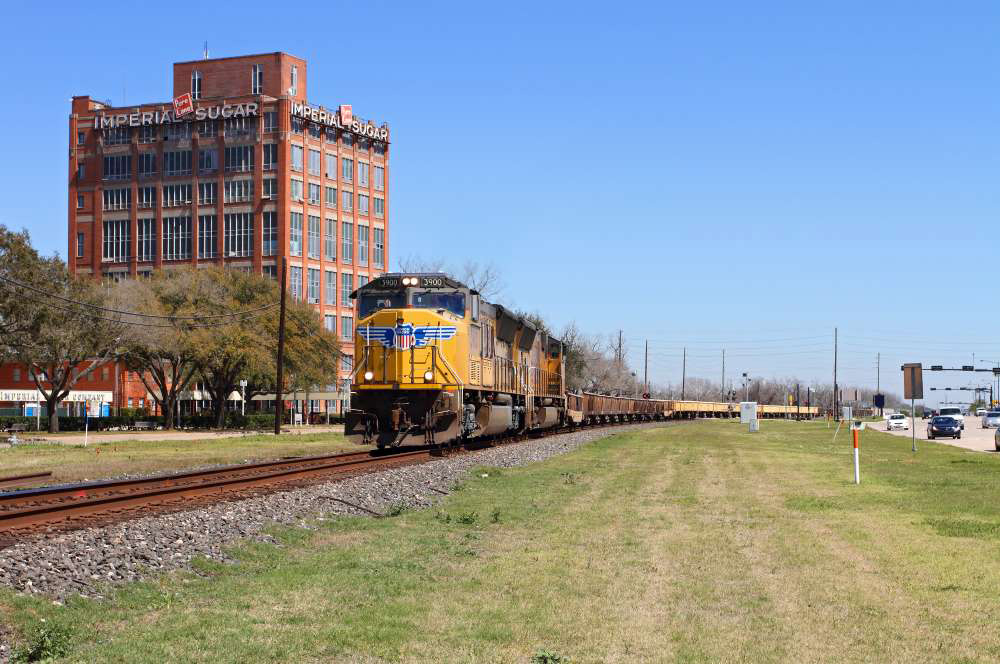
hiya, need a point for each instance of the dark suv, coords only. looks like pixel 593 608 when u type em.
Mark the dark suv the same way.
pixel 942 425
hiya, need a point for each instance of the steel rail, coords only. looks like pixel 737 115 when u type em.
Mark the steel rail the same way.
pixel 17 480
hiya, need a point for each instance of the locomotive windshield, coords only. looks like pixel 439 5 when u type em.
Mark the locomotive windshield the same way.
pixel 372 302
pixel 453 302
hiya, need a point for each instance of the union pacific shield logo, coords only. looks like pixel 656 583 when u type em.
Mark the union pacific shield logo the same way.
pixel 405 336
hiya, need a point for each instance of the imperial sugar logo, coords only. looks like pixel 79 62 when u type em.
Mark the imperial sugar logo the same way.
pixel 405 336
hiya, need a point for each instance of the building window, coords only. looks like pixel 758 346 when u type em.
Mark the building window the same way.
pixel 331 197
pixel 315 130
pixel 297 158
pixel 379 148
pixel 270 121
pixel 295 234
pixel 330 295
pixel 362 281
pixel 347 170
pixel 346 288
pixel 79 245
pixel 117 135
pixel 117 239
pixel 147 198
pixel 196 85
pixel 347 138
pixel 312 281
pixel 117 199
pixel 81 171
pixel 17 374
pixel 146 239
pixel 239 158
pixel 314 193
pixel 294 88
pixel 270 271
pixel 296 282
pixel 296 124
pixel 208 193
pixel 177 163
pixel 331 166
pixel 347 242
pixel 208 160
pixel 257 79
pixel 177 131
pixel 314 160
pixel 346 328
pixel 79 201
pixel 176 194
pixel 362 245
pixel 147 134
pixel 240 127
pixel 270 186
pixel 347 201
pixel 330 323
pixel 81 138
pixel 378 258
pixel 239 191
pixel 330 240
pixel 362 174
pixel 380 178
pixel 331 135
pixel 362 203
pixel 296 190
pixel 176 238
pixel 208 129
pixel 314 232
pixel 379 207
pixel 147 164
pixel 239 234
pixel 207 236
pixel 270 156
pixel 118 167
pixel 269 241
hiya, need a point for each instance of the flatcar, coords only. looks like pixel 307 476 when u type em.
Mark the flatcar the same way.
pixel 436 363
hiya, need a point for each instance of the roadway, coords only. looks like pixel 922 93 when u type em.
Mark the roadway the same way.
pixel 973 438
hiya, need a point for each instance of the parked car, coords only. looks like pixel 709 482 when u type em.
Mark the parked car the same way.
pixel 944 426
pixel 955 413
pixel 897 421
pixel 992 420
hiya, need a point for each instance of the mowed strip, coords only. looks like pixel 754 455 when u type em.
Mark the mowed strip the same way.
pixel 693 543
pixel 145 454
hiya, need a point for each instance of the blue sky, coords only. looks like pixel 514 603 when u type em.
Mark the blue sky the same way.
pixel 709 175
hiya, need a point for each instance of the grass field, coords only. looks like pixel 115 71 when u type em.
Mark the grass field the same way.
pixel 695 543
pixel 145 454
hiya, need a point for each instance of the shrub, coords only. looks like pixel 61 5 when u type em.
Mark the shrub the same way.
pixel 47 641
pixel 548 657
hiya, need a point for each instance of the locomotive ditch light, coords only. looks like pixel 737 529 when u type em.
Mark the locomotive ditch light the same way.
pixel 428 376
pixel 369 375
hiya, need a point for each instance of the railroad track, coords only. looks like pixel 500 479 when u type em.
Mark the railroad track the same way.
pixel 60 508
pixel 12 481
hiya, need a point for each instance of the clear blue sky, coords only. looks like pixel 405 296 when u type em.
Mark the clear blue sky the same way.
pixel 727 174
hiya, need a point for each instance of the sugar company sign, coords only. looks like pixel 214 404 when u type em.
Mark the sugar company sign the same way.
pixel 139 119
pixel 342 119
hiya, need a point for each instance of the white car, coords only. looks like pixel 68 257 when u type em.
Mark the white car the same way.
pixel 991 420
pixel 956 413
pixel 897 421
pixel 980 412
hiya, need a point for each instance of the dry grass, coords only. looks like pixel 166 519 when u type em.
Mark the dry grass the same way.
pixel 145 454
pixel 699 543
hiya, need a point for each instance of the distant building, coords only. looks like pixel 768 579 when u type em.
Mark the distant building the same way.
pixel 237 169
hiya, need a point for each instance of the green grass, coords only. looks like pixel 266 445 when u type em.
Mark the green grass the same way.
pixel 145 454
pixel 695 543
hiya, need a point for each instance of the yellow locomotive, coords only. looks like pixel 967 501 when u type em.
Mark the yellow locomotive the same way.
pixel 435 360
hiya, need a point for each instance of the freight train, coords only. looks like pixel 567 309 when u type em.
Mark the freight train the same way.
pixel 436 363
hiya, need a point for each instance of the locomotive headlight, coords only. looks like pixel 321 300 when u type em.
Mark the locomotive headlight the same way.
pixel 369 375
pixel 409 281
pixel 428 375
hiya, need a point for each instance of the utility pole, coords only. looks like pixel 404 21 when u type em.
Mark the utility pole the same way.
pixel 279 403
pixel 645 372
pixel 620 358
pixel 722 386
pixel 836 404
pixel 684 370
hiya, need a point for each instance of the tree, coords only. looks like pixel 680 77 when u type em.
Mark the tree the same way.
pixel 482 277
pixel 19 263
pixel 164 351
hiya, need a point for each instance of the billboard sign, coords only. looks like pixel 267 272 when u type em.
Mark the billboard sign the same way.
pixel 183 105
pixel 748 411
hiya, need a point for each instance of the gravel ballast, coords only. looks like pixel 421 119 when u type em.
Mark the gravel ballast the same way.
pixel 87 561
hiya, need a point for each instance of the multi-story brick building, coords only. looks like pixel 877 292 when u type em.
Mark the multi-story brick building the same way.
pixel 238 168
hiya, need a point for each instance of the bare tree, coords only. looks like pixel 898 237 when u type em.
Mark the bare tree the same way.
pixel 482 277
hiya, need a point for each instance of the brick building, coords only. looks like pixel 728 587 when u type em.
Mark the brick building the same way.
pixel 237 168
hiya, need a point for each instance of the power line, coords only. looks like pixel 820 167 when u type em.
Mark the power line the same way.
pixel 133 313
